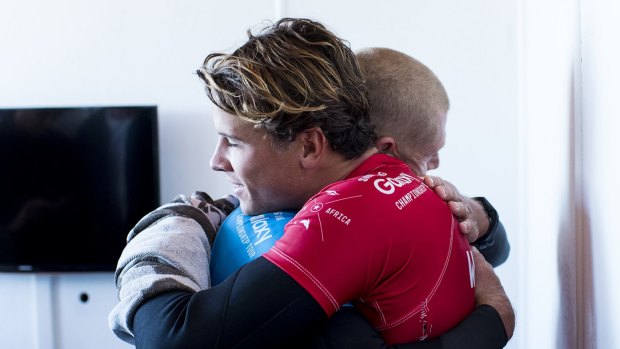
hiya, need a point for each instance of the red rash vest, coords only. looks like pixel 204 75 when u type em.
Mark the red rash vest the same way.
pixel 384 241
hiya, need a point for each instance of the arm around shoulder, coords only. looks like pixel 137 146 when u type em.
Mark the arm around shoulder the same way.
pixel 482 329
pixel 244 311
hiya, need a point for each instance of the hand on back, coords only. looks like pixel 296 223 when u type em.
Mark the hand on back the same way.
pixel 473 220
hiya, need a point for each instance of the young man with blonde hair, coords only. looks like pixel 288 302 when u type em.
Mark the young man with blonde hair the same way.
pixel 294 133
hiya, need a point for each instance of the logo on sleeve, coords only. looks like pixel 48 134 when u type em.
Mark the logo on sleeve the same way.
pixel 316 207
pixel 338 215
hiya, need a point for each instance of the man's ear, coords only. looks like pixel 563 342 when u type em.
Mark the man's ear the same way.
pixel 314 144
pixel 386 145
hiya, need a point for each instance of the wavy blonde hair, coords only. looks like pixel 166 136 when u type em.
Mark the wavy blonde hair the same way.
pixel 293 75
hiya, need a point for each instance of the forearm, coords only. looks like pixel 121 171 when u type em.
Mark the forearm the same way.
pixel 258 307
pixel 482 329
pixel 170 255
pixel 167 250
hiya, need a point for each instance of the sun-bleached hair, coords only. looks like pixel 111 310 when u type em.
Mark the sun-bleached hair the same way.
pixel 405 97
pixel 290 76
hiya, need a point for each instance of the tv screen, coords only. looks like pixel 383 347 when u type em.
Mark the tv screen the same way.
pixel 73 182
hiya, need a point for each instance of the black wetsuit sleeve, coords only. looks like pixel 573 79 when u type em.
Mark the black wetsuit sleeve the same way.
pixel 494 245
pixel 259 306
pixel 482 329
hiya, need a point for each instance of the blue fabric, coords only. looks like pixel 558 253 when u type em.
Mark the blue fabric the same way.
pixel 242 238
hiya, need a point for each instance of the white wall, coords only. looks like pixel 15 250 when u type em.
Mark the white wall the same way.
pixel 547 277
pixel 512 70
pixel 569 88
pixel 601 164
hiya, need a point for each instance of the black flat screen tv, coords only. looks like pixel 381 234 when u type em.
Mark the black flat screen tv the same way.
pixel 73 182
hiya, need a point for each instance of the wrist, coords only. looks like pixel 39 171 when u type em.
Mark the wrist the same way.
pixel 491 220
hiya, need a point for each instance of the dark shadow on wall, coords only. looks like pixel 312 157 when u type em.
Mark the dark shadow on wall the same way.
pixel 576 320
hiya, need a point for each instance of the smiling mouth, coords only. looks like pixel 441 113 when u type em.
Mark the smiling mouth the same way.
pixel 238 191
pixel 236 186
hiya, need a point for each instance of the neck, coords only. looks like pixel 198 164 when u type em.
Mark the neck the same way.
pixel 335 168
pixel 332 168
pixel 349 165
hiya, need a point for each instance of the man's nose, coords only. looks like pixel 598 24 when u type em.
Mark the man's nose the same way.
pixel 218 161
